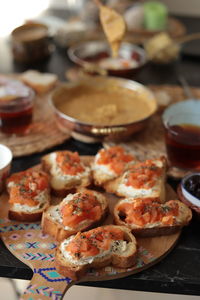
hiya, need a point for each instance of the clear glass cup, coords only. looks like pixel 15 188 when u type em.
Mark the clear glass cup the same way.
pixel 16 107
pixel 30 43
pixel 182 137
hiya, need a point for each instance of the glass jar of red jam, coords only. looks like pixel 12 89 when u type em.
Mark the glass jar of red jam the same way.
pixel 16 106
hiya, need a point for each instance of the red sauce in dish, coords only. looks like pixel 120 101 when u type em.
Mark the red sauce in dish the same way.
pixel 96 58
pixel 143 175
pixel 84 206
pixel 69 162
pixel 91 242
pixel 148 210
pixel 115 157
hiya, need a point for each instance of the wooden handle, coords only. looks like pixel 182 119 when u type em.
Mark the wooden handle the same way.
pixel 189 37
pixel 187 91
pixel 46 284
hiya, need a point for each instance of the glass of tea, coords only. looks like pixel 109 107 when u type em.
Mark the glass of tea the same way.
pixel 182 137
pixel 30 43
pixel 16 107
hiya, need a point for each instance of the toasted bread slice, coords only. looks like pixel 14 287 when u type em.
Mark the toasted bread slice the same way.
pixel 62 179
pixel 141 180
pixel 110 163
pixel 40 82
pixel 25 216
pixel 55 219
pixel 105 245
pixel 29 195
pixel 147 217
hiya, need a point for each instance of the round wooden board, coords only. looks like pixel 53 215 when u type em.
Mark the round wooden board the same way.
pixel 28 244
pixel 42 134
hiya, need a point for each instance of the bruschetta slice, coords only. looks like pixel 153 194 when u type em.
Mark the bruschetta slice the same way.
pixel 141 180
pixel 110 163
pixel 29 195
pixel 77 212
pixel 99 247
pixel 66 171
pixel 148 217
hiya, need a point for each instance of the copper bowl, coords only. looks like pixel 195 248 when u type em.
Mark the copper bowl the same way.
pixel 90 132
pixel 88 55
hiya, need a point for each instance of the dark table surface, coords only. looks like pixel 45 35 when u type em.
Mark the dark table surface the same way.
pixel 179 272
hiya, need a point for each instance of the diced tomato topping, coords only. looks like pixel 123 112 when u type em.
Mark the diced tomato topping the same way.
pixel 115 157
pixel 147 217
pixel 135 219
pixel 143 175
pixel 168 220
pixel 16 177
pixel 83 206
pixel 154 214
pixel 69 162
pixel 42 183
pixel 149 210
pixel 27 185
pixel 16 196
pixel 92 242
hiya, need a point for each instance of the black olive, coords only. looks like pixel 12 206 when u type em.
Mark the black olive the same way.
pixel 192 185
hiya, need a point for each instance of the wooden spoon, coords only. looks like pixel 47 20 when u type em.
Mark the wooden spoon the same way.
pixel 113 25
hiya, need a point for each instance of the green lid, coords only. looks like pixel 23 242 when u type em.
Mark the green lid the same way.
pixel 155 15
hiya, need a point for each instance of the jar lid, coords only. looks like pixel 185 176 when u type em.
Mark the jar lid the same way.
pixel 11 90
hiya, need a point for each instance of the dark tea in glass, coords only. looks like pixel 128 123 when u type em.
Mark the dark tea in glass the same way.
pixel 16 107
pixel 182 136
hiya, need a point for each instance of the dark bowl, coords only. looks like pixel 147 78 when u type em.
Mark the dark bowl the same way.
pixel 90 133
pixel 187 197
pixel 89 54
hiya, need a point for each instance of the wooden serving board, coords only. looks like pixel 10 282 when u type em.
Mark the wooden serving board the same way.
pixel 27 242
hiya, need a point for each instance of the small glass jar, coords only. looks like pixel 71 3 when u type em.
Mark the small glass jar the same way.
pixel 16 107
